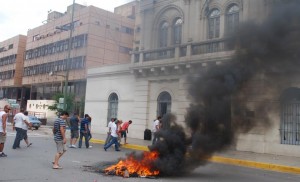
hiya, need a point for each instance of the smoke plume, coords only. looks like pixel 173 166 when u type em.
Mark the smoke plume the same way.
pixel 218 110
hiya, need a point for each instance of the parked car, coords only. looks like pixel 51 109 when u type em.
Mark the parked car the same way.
pixel 36 123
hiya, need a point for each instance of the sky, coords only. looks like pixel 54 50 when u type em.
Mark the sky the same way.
pixel 17 16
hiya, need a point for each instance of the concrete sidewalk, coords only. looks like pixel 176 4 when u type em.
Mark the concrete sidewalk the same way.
pixel 247 159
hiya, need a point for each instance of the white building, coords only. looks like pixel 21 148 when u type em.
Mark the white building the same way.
pixel 172 39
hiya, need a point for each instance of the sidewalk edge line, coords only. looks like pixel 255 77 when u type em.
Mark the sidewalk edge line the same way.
pixel 253 164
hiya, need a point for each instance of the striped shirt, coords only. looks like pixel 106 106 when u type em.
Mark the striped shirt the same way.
pixel 57 124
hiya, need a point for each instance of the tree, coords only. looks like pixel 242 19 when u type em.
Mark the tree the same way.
pixel 69 102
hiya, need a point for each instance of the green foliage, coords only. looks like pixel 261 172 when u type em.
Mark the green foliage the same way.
pixel 69 102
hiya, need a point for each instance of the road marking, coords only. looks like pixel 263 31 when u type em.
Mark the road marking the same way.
pixel 28 134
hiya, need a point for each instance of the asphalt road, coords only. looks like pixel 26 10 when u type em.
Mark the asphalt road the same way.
pixel 33 164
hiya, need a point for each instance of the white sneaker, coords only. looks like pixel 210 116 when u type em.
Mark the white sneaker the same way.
pixel 90 146
pixel 74 146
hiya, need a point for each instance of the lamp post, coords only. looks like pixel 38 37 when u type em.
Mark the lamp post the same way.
pixel 69 53
pixel 64 76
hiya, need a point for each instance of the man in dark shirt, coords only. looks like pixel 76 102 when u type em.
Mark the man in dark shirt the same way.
pixel 59 131
pixel 84 132
pixel 74 123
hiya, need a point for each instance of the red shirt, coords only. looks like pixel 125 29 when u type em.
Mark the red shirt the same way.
pixel 125 126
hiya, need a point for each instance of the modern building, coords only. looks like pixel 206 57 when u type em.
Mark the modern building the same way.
pixel 11 67
pixel 173 39
pixel 35 66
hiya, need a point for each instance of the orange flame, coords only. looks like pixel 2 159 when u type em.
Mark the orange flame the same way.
pixel 133 166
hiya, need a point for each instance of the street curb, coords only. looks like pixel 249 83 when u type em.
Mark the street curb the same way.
pixel 128 146
pixel 226 160
pixel 253 164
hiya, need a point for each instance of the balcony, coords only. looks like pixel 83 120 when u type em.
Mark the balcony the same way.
pixel 165 53
pixel 191 51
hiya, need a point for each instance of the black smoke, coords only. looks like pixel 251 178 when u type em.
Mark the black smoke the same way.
pixel 219 93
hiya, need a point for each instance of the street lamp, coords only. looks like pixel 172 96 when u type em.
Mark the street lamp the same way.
pixel 69 53
pixel 55 74
pixel 64 76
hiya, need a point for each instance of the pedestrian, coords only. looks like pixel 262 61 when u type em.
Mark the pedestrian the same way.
pixel 108 138
pixel 59 131
pixel 25 127
pixel 124 130
pixel 114 137
pixel 89 118
pixel 74 128
pixel 119 124
pixel 3 121
pixel 156 127
pixel 18 121
pixel 84 132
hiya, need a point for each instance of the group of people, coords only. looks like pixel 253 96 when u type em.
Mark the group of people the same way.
pixel 20 124
pixel 78 128
pixel 116 131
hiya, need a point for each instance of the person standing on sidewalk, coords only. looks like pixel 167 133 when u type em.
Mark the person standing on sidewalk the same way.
pixel 124 130
pixel 156 127
pixel 3 120
pixel 74 123
pixel 89 118
pixel 59 131
pixel 84 129
pixel 18 121
pixel 108 138
pixel 114 137
pixel 25 126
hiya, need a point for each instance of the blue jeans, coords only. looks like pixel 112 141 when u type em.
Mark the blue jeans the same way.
pixel 86 139
pixel 114 140
pixel 19 137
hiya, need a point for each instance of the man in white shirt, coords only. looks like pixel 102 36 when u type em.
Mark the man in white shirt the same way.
pixel 25 126
pixel 3 119
pixel 108 138
pixel 18 122
pixel 156 127
pixel 114 137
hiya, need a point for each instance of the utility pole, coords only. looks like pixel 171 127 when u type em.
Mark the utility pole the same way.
pixel 69 55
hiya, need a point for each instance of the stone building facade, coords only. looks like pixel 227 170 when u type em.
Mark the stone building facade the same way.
pixel 172 40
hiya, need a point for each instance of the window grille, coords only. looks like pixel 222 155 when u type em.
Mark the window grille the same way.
pixel 290 123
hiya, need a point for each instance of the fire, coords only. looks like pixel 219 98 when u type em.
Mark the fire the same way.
pixel 132 166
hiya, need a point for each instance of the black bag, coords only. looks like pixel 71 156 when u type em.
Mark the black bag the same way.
pixel 147 134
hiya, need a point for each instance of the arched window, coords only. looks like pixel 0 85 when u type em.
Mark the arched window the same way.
pixel 112 106
pixel 232 19
pixel 163 104
pixel 163 34
pixel 177 31
pixel 214 24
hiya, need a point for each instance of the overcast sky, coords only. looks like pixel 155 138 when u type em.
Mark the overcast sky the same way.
pixel 17 16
